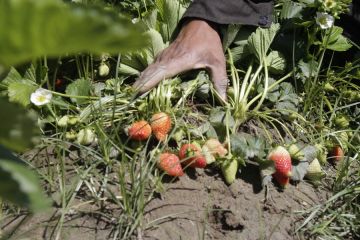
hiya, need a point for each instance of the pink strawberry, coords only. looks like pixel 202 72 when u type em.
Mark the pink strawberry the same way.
pixel 170 163
pixel 139 130
pixel 160 125
pixel 192 156
pixel 282 161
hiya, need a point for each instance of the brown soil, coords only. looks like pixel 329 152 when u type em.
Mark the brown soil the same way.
pixel 199 205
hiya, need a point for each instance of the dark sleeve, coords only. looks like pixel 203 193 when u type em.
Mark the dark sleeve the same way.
pixel 246 12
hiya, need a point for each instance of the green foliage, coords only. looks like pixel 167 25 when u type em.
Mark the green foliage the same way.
pixel 33 28
pixel 336 41
pixel 260 41
pixel 80 87
pixel 18 126
pixel 20 91
pixel 18 184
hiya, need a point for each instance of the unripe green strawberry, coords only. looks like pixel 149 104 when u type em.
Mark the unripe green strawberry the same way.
pixel 73 120
pixel 192 156
pixel 341 122
pixel 170 163
pixel 139 130
pixel 86 136
pixel 329 88
pixel 314 171
pixel 229 169
pixel 160 125
pixel 103 69
pixel 321 153
pixel 295 152
pixel 70 135
pixel 63 121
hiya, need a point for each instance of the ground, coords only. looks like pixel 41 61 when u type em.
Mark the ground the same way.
pixel 199 205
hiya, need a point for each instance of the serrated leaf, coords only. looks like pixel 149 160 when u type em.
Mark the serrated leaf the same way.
pixel 80 87
pixel 12 76
pixel 20 91
pixel 336 41
pixel 18 126
pixel 18 184
pixel 230 34
pixel 276 62
pixel 310 153
pixel 33 28
pixel 259 42
pixel 309 68
pixel 291 9
pixel 247 146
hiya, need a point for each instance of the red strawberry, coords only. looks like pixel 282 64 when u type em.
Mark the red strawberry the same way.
pixel 282 181
pixel 170 163
pixel 337 153
pixel 160 125
pixel 139 130
pixel 282 161
pixel 192 156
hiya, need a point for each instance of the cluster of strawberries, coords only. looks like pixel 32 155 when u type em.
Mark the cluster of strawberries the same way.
pixel 190 154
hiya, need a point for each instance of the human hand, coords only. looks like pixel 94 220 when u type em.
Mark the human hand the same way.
pixel 197 46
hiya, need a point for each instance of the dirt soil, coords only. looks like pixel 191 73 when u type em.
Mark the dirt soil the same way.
pixel 199 205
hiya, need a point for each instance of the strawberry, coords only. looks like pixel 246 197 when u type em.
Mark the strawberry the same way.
pixel 170 163
pixel 212 149
pixel 337 153
pixel 296 152
pixel 281 180
pixel 314 171
pixel 192 156
pixel 139 130
pixel 229 170
pixel 160 125
pixel 282 161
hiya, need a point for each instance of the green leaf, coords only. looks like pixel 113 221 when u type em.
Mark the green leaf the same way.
pixel 291 9
pixel 260 41
pixel 230 35
pixel 33 28
pixel 18 184
pixel 337 42
pixel 20 91
pixel 276 62
pixel 12 76
pixel 80 87
pixel 247 146
pixel 309 68
pixel 18 126
pixel 299 171
pixel 170 13
pixel 156 46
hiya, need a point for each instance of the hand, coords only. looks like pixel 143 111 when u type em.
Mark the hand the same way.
pixel 197 46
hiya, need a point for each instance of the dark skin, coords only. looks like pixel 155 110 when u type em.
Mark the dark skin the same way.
pixel 198 46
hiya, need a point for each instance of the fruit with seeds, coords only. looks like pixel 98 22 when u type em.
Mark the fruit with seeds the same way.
pixel 341 121
pixel 160 125
pixel 229 170
pixel 337 153
pixel 314 171
pixel 139 130
pixel 282 162
pixel 296 152
pixel 191 155
pixel 170 163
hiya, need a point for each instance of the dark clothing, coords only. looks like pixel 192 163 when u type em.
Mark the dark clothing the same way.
pixel 245 12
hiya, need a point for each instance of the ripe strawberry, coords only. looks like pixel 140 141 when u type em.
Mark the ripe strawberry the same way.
pixel 192 156
pixel 160 125
pixel 170 163
pixel 337 153
pixel 282 161
pixel 139 130
pixel 281 180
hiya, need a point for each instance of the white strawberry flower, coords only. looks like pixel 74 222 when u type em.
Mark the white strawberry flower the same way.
pixel 41 97
pixel 324 20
